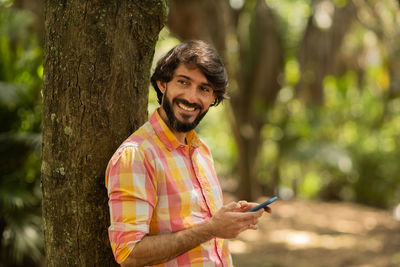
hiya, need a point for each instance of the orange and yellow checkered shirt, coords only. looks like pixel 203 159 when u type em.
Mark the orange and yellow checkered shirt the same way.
pixel 157 185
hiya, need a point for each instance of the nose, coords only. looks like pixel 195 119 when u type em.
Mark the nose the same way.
pixel 191 94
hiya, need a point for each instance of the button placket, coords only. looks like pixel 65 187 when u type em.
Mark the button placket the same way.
pixel 204 190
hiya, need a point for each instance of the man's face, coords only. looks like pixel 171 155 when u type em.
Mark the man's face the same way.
pixel 186 98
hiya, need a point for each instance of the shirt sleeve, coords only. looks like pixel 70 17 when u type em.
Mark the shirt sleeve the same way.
pixel 132 197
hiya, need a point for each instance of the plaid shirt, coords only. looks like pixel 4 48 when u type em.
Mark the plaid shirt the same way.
pixel 157 185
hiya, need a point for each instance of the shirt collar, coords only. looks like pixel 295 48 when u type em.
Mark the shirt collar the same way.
pixel 167 136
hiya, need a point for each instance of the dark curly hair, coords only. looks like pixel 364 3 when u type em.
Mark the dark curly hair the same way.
pixel 203 56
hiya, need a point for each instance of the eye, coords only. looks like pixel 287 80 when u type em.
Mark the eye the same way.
pixel 183 82
pixel 205 89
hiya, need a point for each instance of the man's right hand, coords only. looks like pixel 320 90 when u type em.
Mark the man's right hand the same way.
pixel 227 222
pixel 231 220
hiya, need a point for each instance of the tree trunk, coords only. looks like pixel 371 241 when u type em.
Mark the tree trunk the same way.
pixel 97 59
pixel 321 43
pixel 261 61
pixel 199 19
pixel 36 7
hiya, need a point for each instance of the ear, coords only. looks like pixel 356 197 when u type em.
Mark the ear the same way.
pixel 214 97
pixel 162 86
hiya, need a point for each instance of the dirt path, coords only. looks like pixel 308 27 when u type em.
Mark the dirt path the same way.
pixel 304 233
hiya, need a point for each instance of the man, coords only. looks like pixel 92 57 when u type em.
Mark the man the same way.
pixel 164 196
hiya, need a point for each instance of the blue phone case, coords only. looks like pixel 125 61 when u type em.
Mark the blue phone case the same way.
pixel 262 205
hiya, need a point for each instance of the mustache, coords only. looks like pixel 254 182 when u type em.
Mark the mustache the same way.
pixel 186 103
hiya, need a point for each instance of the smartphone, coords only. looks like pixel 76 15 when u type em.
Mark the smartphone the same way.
pixel 262 205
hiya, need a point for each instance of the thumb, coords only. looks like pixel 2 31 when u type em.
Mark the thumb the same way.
pixel 232 206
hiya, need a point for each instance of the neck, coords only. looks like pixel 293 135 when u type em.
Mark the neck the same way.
pixel 181 136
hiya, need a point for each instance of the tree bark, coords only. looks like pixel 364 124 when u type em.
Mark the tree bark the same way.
pixel 97 59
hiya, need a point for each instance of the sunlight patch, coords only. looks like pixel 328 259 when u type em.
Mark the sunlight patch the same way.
pixel 304 239
pixel 396 212
pixel 237 247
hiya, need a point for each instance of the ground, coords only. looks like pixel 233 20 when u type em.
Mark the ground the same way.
pixel 308 233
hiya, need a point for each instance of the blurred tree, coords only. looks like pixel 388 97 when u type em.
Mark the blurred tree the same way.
pixel 260 62
pixel 97 60
pixel 320 41
pixel 382 18
pixel 36 9
pixel 194 19
pixel 321 44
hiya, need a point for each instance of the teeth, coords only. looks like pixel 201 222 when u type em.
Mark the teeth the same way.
pixel 186 107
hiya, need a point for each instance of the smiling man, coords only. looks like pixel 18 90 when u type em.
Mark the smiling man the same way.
pixel 165 200
pixel 191 96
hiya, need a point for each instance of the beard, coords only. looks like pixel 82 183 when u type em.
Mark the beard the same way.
pixel 173 122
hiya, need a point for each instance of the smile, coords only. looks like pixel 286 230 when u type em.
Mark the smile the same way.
pixel 184 107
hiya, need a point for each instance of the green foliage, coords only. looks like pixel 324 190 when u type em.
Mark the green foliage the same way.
pixel 347 149
pixel 291 16
pixel 215 130
pixel 20 141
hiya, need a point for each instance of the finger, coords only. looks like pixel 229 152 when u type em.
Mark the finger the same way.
pixel 268 209
pixel 232 206
pixel 259 213
pixel 244 204
pixel 253 227
pixel 247 217
pixel 251 205
pixel 250 220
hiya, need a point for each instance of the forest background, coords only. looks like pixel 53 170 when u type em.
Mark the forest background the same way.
pixel 314 111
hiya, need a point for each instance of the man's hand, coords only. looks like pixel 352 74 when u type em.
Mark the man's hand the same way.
pixel 231 219
pixel 228 222
pixel 249 205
